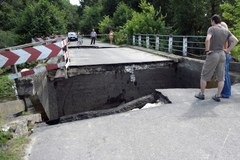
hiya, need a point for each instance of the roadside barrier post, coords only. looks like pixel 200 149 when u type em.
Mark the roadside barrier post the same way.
pixel 184 46
pixel 147 41
pixel 157 43
pixel 139 40
pixel 170 44
pixel 133 42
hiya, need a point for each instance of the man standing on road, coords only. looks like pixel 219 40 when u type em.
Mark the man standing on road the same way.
pixel 217 36
pixel 93 36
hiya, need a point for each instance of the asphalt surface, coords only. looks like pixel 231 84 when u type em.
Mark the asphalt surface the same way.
pixel 187 129
pixel 103 53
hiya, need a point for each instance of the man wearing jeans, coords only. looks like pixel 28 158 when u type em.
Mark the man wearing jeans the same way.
pixel 215 60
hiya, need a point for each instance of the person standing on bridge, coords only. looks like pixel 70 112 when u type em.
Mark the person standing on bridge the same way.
pixel 111 36
pixel 226 92
pixel 93 36
pixel 217 36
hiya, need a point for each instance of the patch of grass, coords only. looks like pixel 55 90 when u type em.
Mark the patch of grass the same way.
pixel 4 137
pixel 13 150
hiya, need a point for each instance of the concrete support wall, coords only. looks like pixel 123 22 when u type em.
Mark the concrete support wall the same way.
pixel 36 87
pixel 188 73
pixel 108 86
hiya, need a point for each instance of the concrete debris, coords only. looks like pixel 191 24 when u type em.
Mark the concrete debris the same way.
pixel 23 125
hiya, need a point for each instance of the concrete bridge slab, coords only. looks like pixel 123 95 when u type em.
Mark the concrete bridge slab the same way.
pixel 90 56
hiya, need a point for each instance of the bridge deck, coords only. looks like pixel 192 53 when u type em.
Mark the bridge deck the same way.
pixel 101 54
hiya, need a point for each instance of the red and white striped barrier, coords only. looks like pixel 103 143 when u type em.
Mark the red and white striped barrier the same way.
pixel 36 70
pixel 19 56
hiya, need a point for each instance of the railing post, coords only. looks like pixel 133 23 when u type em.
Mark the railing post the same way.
pixel 184 46
pixel 157 43
pixel 139 40
pixel 15 70
pixel 170 44
pixel 133 40
pixel 147 41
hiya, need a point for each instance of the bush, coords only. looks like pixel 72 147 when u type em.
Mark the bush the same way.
pixel 4 137
pixel 120 37
pixel 148 21
pixel 6 87
pixel 236 53
pixel 105 25
pixel 7 39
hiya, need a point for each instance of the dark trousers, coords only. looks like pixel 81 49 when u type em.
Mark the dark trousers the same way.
pixel 226 92
pixel 93 40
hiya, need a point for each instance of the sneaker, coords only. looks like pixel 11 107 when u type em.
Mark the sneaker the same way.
pixel 200 96
pixel 216 98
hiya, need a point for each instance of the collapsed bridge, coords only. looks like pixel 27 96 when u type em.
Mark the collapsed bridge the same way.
pixel 102 77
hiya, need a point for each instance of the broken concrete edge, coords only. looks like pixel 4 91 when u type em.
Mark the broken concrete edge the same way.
pixel 74 71
pixel 156 96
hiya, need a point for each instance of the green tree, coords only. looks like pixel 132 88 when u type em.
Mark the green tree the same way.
pixel 105 25
pixel 91 18
pixel 190 17
pixel 10 11
pixel 6 15
pixel 147 21
pixel 6 87
pixel 109 6
pixel 7 39
pixel 72 18
pixel 119 19
pixel 40 20
pixel 121 15
pixel 231 14
pixel 134 4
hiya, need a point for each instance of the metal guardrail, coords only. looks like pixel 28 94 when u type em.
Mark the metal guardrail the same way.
pixel 191 46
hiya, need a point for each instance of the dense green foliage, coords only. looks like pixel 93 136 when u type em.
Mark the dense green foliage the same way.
pixel 7 38
pixel 90 18
pixel 122 14
pixel 147 21
pixel 231 13
pixel 20 20
pixel 41 19
pixel 6 87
